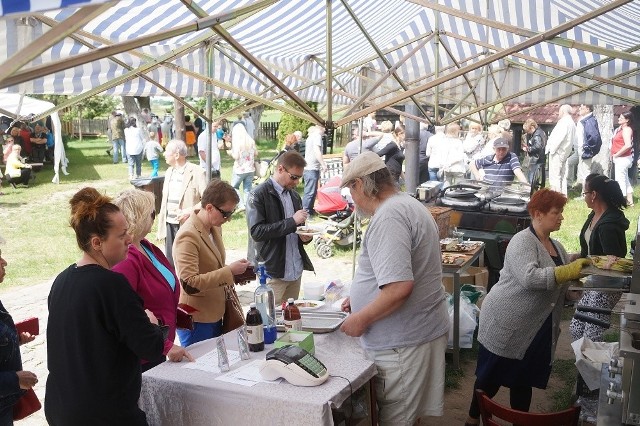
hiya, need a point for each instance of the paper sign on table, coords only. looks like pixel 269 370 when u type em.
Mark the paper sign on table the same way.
pixel 209 361
pixel 247 375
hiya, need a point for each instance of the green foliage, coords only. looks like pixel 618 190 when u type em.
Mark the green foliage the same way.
pixel 99 106
pixel 290 123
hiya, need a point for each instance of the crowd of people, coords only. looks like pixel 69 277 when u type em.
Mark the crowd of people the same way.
pixel 112 313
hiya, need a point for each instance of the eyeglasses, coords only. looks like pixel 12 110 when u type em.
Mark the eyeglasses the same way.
pixel 225 215
pixel 292 177
pixel 153 215
pixel 586 192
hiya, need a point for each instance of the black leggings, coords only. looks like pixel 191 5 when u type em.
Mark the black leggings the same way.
pixel 519 397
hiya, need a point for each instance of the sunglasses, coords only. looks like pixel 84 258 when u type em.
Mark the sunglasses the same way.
pixel 153 215
pixel 292 177
pixel 225 214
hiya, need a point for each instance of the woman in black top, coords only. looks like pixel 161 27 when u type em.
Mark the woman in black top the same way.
pixel 98 329
pixel 393 153
pixel 602 234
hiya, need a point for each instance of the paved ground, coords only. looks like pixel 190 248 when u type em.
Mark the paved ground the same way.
pixel 31 301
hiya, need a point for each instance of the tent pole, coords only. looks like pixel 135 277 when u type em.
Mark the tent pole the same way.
pixel 436 54
pixel 51 37
pixel 490 58
pixel 488 71
pixel 380 54
pixel 523 32
pixel 102 52
pixel 536 87
pixel 209 91
pixel 329 80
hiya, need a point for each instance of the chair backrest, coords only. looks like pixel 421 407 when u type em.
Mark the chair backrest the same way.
pixel 490 409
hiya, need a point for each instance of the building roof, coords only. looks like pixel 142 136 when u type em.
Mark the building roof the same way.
pixel 547 114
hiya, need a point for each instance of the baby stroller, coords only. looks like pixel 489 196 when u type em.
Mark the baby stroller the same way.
pixel 337 213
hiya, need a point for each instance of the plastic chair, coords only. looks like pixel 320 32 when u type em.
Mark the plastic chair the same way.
pixel 490 409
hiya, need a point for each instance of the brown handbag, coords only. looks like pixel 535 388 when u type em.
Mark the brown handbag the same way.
pixel 26 405
pixel 233 315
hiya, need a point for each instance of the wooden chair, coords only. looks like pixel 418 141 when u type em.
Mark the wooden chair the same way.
pixel 490 409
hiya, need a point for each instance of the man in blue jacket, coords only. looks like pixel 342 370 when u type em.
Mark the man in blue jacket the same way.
pixel 588 141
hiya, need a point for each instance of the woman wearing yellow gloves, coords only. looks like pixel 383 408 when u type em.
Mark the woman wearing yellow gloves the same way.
pixel 520 317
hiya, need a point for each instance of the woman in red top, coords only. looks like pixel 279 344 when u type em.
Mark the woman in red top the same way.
pixel 148 270
pixel 622 154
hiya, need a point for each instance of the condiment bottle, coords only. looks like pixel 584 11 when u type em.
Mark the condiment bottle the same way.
pixel 292 317
pixel 255 334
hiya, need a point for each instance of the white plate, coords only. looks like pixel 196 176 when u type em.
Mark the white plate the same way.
pixel 308 231
pixel 315 304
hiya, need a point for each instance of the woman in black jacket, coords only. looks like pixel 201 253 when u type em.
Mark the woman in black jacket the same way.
pixel 535 146
pixel 13 380
pixel 602 234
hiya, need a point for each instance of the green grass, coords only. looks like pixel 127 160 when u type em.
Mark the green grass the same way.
pixel 565 370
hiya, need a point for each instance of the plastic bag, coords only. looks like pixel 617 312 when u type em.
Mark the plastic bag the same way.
pixel 468 322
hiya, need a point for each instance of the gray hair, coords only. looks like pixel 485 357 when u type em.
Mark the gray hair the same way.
pixel 178 146
pixel 374 183
pixel 566 109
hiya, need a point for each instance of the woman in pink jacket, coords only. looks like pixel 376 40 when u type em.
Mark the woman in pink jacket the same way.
pixel 148 270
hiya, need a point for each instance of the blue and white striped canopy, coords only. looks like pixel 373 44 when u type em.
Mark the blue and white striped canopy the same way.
pixel 289 38
pixel 25 7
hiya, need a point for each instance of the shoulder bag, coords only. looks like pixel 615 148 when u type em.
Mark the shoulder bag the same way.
pixel 233 315
pixel 26 405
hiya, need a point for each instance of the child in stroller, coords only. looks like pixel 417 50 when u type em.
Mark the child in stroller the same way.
pixel 337 213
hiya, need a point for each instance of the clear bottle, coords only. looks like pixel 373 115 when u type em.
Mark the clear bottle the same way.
pixel 255 333
pixel 266 304
pixel 292 317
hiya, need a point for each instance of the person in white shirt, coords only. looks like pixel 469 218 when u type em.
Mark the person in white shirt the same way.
pixel 559 147
pixel 493 132
pixel 215 153
pixel 453 164
pixel 474 142
pixel 315 164
pixel 249 124
pixel 135 140
pixel 436 152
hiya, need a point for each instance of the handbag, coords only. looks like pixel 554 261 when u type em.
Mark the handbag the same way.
pixel 233 316
pixel 26 405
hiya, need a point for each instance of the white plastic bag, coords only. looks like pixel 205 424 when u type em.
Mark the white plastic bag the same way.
pixel 468 323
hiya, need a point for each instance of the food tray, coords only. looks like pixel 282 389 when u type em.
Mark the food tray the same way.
pixel 465 246
pixel 452 259
pixel 316 322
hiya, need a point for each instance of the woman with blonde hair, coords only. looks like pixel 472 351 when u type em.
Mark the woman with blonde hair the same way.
pixel 149 272
pixel 17 170
pixel 98 330
pixel 245 154
pixel 493 132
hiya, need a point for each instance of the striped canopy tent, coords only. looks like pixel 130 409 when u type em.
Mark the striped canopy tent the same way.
pixel 463 57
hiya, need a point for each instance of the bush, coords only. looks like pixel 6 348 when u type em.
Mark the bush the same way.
pixel 290 123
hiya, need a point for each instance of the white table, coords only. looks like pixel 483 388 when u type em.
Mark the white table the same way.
pixel 172 395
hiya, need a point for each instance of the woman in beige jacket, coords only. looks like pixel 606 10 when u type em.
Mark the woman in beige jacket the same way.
pixel 200 261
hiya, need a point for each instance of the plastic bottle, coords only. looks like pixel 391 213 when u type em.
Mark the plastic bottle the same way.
pixel 255 333
pixel 266 304
pixel 292 317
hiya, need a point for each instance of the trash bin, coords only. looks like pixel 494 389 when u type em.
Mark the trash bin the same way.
pixel 153 185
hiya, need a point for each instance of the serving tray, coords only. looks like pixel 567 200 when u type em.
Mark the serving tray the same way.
pixel 316 322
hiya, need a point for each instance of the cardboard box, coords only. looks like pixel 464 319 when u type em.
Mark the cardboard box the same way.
pixel 473 275
pixel 303 339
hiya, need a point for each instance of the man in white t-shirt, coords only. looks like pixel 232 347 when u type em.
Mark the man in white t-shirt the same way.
pixel 315 164
pixel 397 300
pixel 215 154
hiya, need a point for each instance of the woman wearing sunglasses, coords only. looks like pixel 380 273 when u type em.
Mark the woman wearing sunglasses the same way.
pixel 200 259
pixel 149 272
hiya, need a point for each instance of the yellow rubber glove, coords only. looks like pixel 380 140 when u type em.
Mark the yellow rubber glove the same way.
pixel 570 271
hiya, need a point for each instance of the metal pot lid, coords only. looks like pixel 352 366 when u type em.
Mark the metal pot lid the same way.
pixel 510 201
pixel 516 190
pixel 461 193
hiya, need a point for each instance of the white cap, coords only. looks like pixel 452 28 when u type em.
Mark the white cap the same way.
pixel 290 300
pixel 252 305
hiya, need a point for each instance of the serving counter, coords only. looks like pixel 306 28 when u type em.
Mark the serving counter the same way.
pixel 174 395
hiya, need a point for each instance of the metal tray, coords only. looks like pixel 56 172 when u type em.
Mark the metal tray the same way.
pixel 316 322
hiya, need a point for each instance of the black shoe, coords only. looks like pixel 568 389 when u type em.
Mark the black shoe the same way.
pixel 108 153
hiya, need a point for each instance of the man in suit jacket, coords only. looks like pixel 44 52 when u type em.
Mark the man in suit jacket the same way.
pixel 184 184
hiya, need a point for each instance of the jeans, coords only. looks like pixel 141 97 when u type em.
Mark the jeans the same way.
pixel 118 146
pixel 38 152
pixel 247 181
pixel 311 178
pixel 135 160
pixel 201 331
pixel 433 174
pixel 155 164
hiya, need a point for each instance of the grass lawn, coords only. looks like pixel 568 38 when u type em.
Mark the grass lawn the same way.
pixel 40 243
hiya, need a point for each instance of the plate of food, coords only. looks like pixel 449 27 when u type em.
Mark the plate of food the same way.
pixel 304 305
pixel 308 230
pixel 613 263
pixel 453 259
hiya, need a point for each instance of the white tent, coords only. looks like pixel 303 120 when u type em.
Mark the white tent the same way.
pixel 356 55
pixel 17 106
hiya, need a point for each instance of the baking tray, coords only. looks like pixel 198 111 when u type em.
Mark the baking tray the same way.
pixel 316 322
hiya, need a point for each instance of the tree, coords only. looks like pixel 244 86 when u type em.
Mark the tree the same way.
pixel 290 123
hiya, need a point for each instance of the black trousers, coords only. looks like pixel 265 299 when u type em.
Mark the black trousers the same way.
pixel 172 230
pixel 519 398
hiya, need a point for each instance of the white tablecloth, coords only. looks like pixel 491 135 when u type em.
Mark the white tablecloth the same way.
pixel 173 396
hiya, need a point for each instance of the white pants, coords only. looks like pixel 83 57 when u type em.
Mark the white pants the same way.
pixel 623 164
pixel 558 172
pixel 584 169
